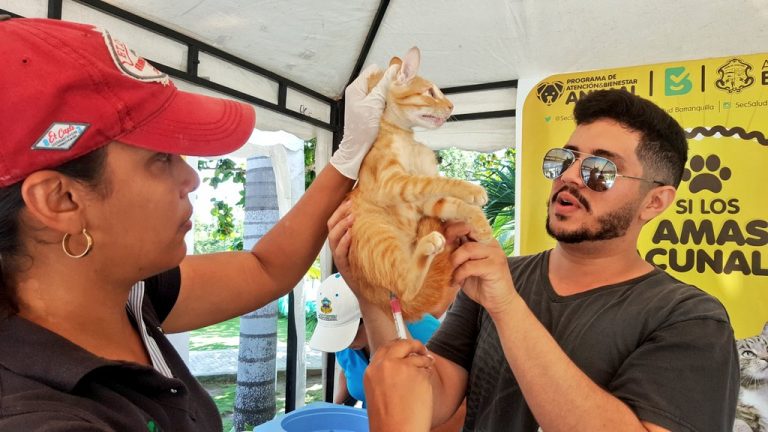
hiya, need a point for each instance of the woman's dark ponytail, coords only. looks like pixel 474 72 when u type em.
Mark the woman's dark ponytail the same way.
pixel 11 204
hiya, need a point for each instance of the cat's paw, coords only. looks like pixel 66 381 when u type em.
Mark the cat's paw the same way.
pixel 481 229
pixel 474 194
pixel 431 244
pixel 482 232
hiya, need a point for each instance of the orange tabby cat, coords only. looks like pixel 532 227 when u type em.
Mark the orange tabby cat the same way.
pixel 400 200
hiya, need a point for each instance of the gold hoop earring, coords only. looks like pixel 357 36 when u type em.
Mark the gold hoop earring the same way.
pixel 88 246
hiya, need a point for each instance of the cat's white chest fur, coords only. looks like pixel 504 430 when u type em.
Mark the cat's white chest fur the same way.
pixel 757 398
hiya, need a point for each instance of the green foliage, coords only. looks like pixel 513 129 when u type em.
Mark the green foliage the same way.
pixel 314 271
pixel 456 163
pixel 225 230
pixel 207 240
pixel 282 328
pixel 309 309
pixel 499 183
pixel 504 231
pixel 496 173
pixel 224 170
pixel 484 162
pixel 309 161
pixel 497 176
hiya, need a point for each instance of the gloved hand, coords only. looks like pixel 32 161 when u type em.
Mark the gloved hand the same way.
pixel 362 114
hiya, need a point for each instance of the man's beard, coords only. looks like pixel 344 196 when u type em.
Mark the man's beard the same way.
pixel 611 225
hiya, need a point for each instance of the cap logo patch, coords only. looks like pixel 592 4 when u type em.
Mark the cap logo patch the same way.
pixel 130 63
pixel 60 136
pixel 326 309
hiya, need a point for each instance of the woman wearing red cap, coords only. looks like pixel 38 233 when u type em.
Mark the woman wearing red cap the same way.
pixel 94 206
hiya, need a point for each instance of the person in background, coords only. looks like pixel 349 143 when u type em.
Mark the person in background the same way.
pixel 586 336
pixel 94 207
pixel 340 329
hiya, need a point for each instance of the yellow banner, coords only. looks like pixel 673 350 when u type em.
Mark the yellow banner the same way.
pixel 715 235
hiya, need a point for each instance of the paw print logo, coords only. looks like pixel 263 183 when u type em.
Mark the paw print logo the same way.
pixel 711 180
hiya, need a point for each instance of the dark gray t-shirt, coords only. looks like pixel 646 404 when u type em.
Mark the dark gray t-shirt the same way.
pixel 663 347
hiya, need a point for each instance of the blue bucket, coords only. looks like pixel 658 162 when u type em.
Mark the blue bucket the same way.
pixel 336 418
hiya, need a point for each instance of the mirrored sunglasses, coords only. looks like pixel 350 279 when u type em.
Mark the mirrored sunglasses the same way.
pixel 598 173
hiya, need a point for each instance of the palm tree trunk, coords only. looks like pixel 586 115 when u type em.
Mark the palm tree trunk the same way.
pixel 256 369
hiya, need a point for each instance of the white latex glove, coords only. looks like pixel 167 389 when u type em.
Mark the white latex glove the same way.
pixel 362 115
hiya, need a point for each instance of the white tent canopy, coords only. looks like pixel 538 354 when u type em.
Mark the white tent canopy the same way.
pixel 317 43
pixel 319 46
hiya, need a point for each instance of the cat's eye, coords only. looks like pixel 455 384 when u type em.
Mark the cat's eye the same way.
pixel 748 354
pixel 431 92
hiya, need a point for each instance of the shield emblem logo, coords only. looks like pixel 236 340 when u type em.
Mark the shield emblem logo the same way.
pixel 734 76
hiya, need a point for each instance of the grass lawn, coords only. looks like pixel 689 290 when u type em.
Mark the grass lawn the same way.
pixel 223 394
pixel 226 335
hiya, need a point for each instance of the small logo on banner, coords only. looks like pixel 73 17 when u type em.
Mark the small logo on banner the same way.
pixel 734 76
pixel 677 81
pixel 130 63
pixel 548 92
pixel 706 174
pixel 60 136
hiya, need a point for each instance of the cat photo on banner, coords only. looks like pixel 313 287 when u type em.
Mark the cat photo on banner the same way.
pixel 400 202
pixel 752 409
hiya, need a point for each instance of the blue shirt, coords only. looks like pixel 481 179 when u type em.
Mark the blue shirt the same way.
pixel 354 362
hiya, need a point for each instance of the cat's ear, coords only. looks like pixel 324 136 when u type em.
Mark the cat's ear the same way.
pixel 765 330
pixel 399 63
pixel 410 65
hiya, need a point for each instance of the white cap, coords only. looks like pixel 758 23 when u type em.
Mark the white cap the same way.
pixel 338 316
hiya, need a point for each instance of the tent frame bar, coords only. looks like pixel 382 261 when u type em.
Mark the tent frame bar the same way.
pixel 11 14
pixel 55 8
pixel 498 85
pixel 202 46
pixel 369 38
pixel 483 115
pixel 194 47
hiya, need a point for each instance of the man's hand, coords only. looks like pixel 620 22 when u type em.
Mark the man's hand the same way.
pixel 481 270
pixel 398 390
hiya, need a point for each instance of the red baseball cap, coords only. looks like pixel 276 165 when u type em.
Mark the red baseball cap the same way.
pixel 69 88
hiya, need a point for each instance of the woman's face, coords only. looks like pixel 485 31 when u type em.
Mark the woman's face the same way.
pixel 140 224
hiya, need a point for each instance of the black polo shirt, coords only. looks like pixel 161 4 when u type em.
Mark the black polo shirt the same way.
pixel 50 384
